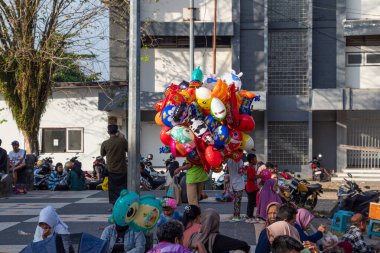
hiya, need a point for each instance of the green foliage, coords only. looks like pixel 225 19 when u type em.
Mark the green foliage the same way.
pixel 2 120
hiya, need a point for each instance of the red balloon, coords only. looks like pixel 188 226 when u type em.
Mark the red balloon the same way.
pixel 213 157
pixel 246 123
pixel 165 137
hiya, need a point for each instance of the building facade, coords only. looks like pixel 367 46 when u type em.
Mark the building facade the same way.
pixel 314 63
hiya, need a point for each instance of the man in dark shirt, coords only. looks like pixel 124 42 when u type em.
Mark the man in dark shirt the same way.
pixel 114 149
pixel 3 159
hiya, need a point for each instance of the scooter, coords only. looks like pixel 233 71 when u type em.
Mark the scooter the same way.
pixel 149 167
pixel 352 198
pixel 319 173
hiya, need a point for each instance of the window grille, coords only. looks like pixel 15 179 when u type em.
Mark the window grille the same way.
pixel 288 143
pixel 288 10
pixel 288 63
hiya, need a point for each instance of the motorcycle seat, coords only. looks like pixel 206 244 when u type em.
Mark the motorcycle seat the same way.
pixel 314 187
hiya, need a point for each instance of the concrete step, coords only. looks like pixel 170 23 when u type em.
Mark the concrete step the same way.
pixel 358 179
pixel 367 171
pixel 359 175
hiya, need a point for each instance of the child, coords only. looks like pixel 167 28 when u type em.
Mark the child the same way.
pixel 169 211
pixel 235 170
pixel 251 187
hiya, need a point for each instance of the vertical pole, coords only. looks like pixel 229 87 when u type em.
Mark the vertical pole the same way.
pixel 214 41
pixel 191 37
pixel 134 98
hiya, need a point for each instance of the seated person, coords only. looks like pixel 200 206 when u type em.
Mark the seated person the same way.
pixel 57 179
pixel 169 211
pixel 170 237
pixel 191 221
pixel 49 223
pixel 76 178
pixel 210 237
pixel 263 245
pixel 303 222
pixel 123 239
pixel 354 234
pixel 17 160
pixel 286 244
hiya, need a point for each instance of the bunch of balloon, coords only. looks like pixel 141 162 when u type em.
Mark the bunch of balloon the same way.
pixel 207 120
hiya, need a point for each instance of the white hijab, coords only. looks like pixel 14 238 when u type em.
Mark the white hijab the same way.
pixel 49 216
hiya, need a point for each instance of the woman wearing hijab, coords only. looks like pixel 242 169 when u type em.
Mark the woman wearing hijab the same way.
pixel 210 237
pixel 76 179
pixel 49 223
pixel 263 245
pixel 268 194
pixel 282 228
pixel 303 222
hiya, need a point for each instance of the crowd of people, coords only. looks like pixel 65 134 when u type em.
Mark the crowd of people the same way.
pixel 283 226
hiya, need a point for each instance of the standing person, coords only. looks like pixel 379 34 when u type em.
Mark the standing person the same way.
pixel 251 187
pixel 114 149
pixel 235 170
pixel 268 194
pixel 58 179
pixel 3 159
pixel 195 178
pixel 17 159
pixel 76 178
pixel 49 223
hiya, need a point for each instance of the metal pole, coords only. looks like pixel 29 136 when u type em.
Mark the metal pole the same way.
pixel 134 98
pixel 214 41
pixel 191 37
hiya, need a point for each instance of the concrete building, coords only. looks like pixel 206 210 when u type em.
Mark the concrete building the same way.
pixel 314 63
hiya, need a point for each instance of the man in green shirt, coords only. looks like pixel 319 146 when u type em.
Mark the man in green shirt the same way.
pixel 114 149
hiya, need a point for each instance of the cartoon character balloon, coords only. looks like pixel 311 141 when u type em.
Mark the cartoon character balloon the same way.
pixel 221 91
pixel 234 141
pixel 167 115
pixel 203 96
pixel 218 109
pixel 200 130
pixel 195 111
pixel 211 122
pixel 247 98
pixel 247 142
pixel 125 208
pixel 182 134
pixel 180 113
pixel 197 77
pixel 165 137
pixel 233 78
pixel 210 81
pixel 220 136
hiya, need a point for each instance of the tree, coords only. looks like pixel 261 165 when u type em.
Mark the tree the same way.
pixel 35 36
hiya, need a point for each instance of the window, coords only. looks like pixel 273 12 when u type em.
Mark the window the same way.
pixel 354 59
pixel 183 42
pixel 363 59
pixel 372 59
pixel 61 140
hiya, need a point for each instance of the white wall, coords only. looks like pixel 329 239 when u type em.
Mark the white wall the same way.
pixel 363 9
pixel 68 108
pixel 171 65
pixel 171 10
pixel 363 77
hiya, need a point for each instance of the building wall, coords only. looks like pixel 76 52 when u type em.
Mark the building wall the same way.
pixel 67 108
pixel 170 65
pixel 363 9
pixel 167 11
pixel 364 76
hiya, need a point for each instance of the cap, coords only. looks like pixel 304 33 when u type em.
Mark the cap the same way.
pixel 15 143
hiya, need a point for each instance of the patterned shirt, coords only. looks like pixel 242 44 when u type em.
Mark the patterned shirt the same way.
pixel 55 179
pixel 355 237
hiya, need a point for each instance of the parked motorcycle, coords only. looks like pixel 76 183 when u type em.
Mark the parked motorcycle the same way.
pixel 149 167
pixel 99 168
pixel 42 173
pixel 352 198
pixel 301 192
pixel 319 172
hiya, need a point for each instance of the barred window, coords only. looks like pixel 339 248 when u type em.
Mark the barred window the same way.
pixel 288 143
pixel 288 10
pixel 288 63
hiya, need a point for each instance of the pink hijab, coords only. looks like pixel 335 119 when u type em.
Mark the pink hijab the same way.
pixel 304 217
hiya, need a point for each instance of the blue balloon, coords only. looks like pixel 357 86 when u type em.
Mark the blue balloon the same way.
pixel 167 115
pixel 220 136
pixel 211 122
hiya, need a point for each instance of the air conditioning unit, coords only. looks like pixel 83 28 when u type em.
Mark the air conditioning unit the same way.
pixel 186 14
